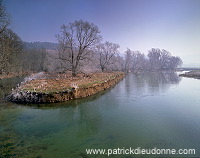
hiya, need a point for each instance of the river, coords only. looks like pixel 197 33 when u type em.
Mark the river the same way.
pixel 148 110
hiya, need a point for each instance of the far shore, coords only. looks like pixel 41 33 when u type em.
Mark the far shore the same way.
pixel 192 74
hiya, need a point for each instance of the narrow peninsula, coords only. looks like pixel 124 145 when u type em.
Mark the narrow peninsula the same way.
pixel 49 88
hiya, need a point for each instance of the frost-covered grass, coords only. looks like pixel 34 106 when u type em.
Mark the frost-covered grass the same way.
pixel 47 83
pixel 39 75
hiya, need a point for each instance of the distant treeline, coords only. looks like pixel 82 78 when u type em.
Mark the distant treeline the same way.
pixel 79 49
pixel 40 45
pixel 156 60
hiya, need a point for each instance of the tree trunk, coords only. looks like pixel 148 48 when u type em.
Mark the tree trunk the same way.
pixel 102 69
pixel 73 72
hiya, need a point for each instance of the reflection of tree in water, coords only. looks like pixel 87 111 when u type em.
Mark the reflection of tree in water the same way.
pixel 83 114
pixel 63 126
pixel 134 83
pixel 161 81
pixel 127 84
pixel 154 82
pixel 84 120
pixel 72 113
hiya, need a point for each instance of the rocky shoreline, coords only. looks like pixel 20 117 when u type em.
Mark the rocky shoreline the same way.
pixel 21 96
pixel 191 74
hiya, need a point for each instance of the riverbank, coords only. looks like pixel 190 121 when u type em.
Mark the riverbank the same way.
pixel 191 74
pixel 12 75
pixel 62 87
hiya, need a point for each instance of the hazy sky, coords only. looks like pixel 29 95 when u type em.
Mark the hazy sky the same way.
pixel 173 25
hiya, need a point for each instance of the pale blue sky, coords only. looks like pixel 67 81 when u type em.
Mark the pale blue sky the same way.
pixel 173 25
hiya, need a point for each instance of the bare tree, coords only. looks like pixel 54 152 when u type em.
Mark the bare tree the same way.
pixel 34 60
pixel 175 62
pixel 10 47
pixel 165 57
pixel 138 61
pixel 75 43
pixel 154 58
pixel 4 18
pixel 106 52
pixel 128 60
pixel 163 60
pixel 118 63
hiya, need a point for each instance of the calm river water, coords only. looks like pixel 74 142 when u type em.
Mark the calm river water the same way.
pixel 146 111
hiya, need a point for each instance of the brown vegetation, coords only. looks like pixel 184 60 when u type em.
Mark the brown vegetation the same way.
pixel 63 87
pixel 59 82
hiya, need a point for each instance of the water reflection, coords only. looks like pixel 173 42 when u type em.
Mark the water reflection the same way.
pixel 161 81
pixel 32 128
pixel 154 82
pixel 86 120
pixel 147 110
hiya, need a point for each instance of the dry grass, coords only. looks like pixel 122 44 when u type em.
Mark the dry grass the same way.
pixel 11 75
pixel 61 82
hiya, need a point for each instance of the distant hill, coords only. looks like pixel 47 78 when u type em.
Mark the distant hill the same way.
pixel 40 45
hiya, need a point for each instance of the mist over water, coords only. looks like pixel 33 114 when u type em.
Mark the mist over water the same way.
pixel 147 110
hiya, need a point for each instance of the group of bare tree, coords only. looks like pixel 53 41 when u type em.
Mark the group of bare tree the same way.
pixel 14 57
pixel 76 42
pixel 106 52
pixel 163 60
pixel 10 44
pixel 80 49
pixel 79 45
pixel 156 60
pixel 33 60
pixel 4 18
